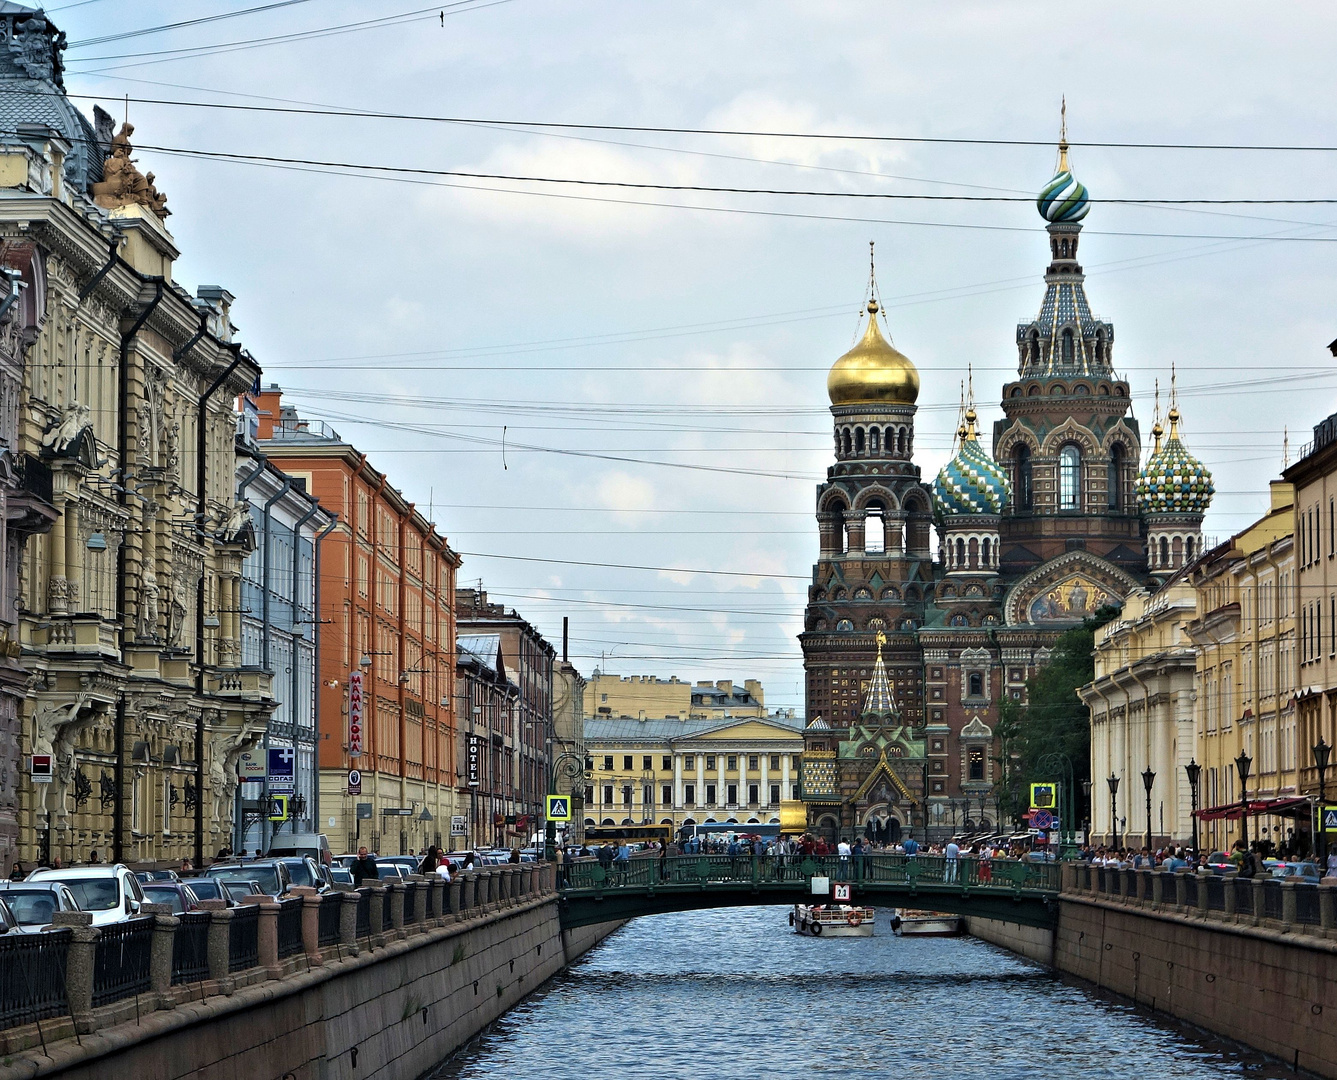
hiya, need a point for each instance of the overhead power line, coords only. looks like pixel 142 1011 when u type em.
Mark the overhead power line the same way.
pixel 632 566
pixel 165 27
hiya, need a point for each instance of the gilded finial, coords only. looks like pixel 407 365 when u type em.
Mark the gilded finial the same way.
pixel 1063 135
pixel 881 640
pixel 1156 430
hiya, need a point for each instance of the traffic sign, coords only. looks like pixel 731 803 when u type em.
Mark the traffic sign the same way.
pixel 457 826
pixel 278 808
pixel 281 768
pixel 354 782
pixel 559 807
pixel 841 894
pixel 1044 796
pixel 41 768
pixel 1330 819
pixel 1042 819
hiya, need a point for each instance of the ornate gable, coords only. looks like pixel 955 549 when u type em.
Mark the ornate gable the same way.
pixel 1066 590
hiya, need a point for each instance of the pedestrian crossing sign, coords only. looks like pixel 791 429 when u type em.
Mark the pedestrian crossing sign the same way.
pixel 278 808
pixel 559 807
pixel 1044 797
pixel 1330 819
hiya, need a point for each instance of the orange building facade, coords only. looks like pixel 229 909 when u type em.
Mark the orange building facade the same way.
pixel 386 601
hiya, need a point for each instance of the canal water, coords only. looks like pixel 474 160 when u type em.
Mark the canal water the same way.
pixel 736 994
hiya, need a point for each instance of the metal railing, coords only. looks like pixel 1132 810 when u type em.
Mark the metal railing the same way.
pixel 32 977
pixel 290 927
pixel 121 960
pixel 387 919
pixel 1306 904
pixel 1216 893
pixel 190 948
pixel 411 904
pixel 1190 890
pixel 996 874
pixel 1243 895
pixel 331 907
pixel 243 938
pixel 1272 907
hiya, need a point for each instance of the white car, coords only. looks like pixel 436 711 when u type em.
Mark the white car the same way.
pixel 34 903
pixel 111 894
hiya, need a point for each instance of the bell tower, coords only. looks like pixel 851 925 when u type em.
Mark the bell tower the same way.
pixel 874 567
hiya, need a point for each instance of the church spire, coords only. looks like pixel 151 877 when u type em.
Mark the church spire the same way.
pixel 881 700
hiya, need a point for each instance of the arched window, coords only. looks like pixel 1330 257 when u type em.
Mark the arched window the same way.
pixel 858 440
pixel 1188 549
pixel 974 553
pixel 1070 478
pixel 976 684
pixel 873 441
pixel 988 553
pixel 1035 347
pixel 1021 476
pixel 1068 352
pixel 960 554
pixel 847 442
pixel 1165 553
pixel 875 529
pixel 1116 477
pixel 900 441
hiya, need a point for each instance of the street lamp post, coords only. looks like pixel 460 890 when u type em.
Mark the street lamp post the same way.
pixel 1242 764
pixel 1113 782
pixel 1194 771
pixel 1086 826
pixel 1322 752
pixel 1148 778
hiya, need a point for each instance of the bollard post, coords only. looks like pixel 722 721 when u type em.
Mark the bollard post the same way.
pixel 395 893
pixel 160 950
pixel 1157 890
pixel 1327 907
pixel 482 890
pixel 311 901
pixel 1259 903
pixel 438 894
pixel 1143 885
pixel 456 890
pixel 376 893
pixel 1181 889
pixel 348 920
pixel 267 935
pixel 79 965
pixel 1288 914
pixel 1228 894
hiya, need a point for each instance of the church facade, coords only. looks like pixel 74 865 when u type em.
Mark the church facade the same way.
pixel 909 651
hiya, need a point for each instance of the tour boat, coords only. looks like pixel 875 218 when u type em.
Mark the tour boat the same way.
pixel 908 922
pixel 832 920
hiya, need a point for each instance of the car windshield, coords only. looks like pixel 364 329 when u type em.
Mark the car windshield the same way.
pixel 93 894
pixel 205 888
pixel 160 895
pixel 387 870
pixel 31 908
pixel 297 870
pixel 266 876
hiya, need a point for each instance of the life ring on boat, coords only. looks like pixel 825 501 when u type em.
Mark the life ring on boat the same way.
pixel 791 918
pixel 855 918
pixel 816 929
pixel 896 923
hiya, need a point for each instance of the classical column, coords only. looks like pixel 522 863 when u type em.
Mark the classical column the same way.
pixel 72 559
pixel 785 791
pixel 764 792
pixel 677 781
pixel 57 586
pixel 700 780
pixel 854 523
pixel 721 787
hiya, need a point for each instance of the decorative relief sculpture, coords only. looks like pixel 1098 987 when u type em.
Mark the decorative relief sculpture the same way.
pixel 122 183
pixel 62 434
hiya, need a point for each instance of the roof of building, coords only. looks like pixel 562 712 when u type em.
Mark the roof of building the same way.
pixel 628 729
pixel 482 649
pixel 873 372
pixel 971 482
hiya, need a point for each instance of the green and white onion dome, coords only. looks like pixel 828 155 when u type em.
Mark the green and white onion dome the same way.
pixel 1173 481
pixel 971 483
pixel 1063 198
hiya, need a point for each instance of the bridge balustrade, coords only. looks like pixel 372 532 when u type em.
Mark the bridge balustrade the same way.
pixel 121 960
pixel 32 977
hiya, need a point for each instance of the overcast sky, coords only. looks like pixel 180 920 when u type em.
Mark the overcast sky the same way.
pixel 680 352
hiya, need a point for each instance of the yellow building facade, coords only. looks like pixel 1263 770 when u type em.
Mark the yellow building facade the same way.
pixel 686 772
pixel 648 697
pixel 1247 665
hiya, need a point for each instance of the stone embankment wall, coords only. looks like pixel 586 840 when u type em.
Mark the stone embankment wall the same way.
pixel 1208 957
pixel 392 1007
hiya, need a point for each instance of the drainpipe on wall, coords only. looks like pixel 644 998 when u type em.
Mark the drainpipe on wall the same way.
pixel 123 499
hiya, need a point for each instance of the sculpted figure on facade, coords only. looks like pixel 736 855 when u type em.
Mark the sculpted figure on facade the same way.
pixel 65 430
pixel 148 603
pixel 122 183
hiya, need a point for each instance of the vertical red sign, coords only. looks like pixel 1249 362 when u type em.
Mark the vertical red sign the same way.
pixel 355 714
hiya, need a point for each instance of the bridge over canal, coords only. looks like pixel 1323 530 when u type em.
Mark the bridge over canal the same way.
pixel 1007 890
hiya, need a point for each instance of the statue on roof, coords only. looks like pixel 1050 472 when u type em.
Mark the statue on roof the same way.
pixel 122 183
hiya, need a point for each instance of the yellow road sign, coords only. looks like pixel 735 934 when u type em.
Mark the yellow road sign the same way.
pixel 278 808
pixel 1044 796
pixel 559 807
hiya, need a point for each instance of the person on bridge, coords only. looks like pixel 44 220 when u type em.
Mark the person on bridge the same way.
pixel 622 860
pixel 364 867
pixel 953 853
pixel 910 846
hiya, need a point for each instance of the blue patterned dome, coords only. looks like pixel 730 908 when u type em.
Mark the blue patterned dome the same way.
pixel 971 483
pixel 1063 198
pixel 1173 481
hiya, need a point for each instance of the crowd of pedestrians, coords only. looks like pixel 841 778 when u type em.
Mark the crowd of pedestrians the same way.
pixel 1258 859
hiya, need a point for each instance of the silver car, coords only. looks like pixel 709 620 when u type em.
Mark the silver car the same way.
pixel 34 903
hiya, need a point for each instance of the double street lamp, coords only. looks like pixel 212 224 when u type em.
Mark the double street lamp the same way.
pixel 1148 778
pixel 1113 782
pixel 1194 771
pixel 1322 751
pixel 1242 765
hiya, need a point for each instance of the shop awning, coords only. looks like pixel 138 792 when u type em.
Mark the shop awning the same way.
pixel 1285 806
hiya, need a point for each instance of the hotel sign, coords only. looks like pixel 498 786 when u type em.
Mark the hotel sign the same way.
pixel 474 754
pixel 355 714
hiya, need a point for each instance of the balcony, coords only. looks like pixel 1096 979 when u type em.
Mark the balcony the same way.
pixel 304 431
pixel 77 635
pixel 240 684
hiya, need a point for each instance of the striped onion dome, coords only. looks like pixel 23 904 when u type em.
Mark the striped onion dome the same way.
pixel 972 482
pixel 1173 481
pixel 1063 198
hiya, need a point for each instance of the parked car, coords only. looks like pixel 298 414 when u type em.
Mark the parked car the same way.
pixel 339 875
pixel 33 903
pixel 270 874
pixel 8 924
pixel 390 871
pixel 1218 862
pixel 303 870
pixel 207 888
pixel 409 863
pixel 348 860
pixel 1306 871
pixel 177 895
pixel 145 876
pixel 111 893
pixel 237 890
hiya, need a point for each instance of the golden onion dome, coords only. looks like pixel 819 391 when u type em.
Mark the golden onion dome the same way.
pixel 873 372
